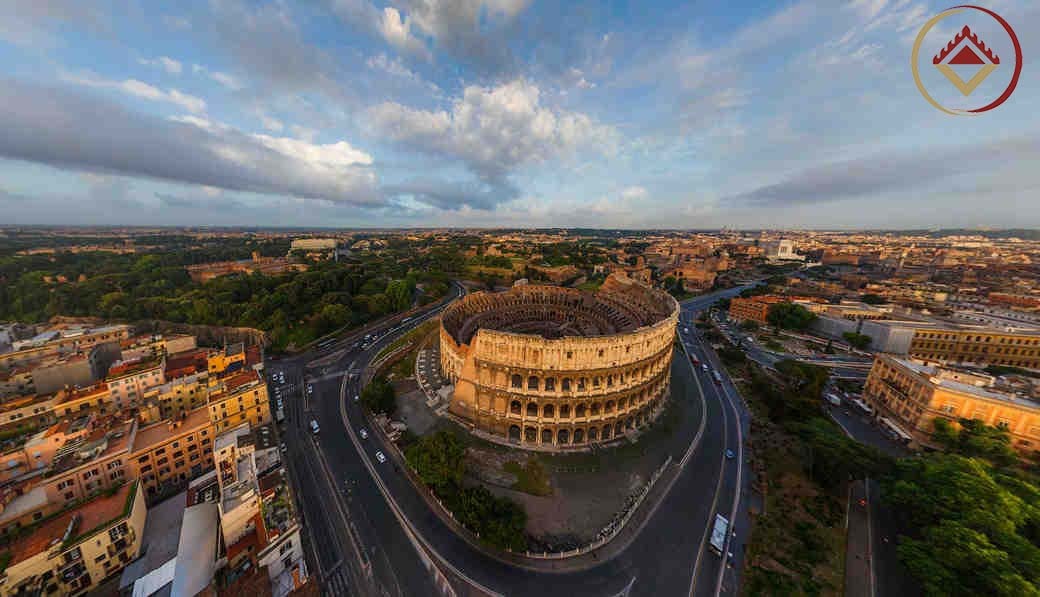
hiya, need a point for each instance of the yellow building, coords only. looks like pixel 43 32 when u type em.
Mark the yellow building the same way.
pixel 239 398
pixel 179 396
pixel 977 346
pixel 228 358
pixel 171 452
pixel 72 551
pixel 907 396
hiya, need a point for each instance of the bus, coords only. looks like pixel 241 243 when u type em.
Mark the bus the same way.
pixel 718 378
pixel 718 534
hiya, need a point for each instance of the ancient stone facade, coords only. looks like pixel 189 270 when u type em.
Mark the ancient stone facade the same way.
pixel 553 368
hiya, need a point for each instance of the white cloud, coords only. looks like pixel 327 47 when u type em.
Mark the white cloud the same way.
pixel 270 123
pixel 164 62
pixel 224 79
pixel 396 30
pixel 493 130
pixel 139 89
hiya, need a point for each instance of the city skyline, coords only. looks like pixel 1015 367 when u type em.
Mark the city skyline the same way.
pixel 502 114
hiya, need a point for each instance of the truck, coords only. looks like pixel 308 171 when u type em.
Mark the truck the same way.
pixel 717 543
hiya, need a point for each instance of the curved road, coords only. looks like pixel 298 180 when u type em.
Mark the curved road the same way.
pixel 362 547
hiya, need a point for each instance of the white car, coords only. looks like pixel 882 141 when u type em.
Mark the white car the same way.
pixel 282 447
pixel 704 366
pixel 363 434
pixel 380 457
pixel 356 397
pixel 314 427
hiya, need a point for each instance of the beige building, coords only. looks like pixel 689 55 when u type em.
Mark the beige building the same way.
pixel 970 345
pixel 170 453
pixel 128 380
pixel 72 551
pixel 545 367
pixel 907 396
pixel 179 396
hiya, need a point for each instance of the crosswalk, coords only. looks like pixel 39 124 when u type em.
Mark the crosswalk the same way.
pixel 336 584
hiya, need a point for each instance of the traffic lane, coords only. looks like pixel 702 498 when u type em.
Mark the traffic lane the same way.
pixel 396 561
pixel 477 564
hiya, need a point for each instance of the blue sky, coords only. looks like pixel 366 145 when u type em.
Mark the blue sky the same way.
pixel 504 113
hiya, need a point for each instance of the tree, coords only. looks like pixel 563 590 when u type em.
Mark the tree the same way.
pixel 749 325
pixel 789 316
pixel 439 460
pixel 378 396
pixel 834 458
pixel 972 530
pixel 857 340
pixel 873 299
pixel 975 439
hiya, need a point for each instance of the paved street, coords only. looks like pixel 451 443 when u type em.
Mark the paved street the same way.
pixel 344 504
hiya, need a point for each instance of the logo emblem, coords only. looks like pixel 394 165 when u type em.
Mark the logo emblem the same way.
pixel 966 61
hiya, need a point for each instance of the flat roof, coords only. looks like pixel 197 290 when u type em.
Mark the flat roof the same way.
pixel 50 531
pixel 964 388
pixel 196 549
pixel 162 431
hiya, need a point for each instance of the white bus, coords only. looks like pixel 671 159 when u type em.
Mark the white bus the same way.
pixel 718 534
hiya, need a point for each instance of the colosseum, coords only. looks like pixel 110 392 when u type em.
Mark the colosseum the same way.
pixel 551 368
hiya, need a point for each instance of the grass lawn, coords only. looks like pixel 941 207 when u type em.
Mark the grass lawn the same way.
pixel 530 477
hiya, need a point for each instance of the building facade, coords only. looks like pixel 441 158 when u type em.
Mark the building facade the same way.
pixel 545 367
pixel 907 396
pixel 977 346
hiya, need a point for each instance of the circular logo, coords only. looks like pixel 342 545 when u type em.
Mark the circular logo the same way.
pixel 965 61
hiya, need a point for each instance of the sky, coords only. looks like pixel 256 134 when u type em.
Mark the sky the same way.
pixel 510 113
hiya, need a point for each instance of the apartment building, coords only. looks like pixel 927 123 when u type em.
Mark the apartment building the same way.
pixel 178 396
pixel 61 341
pixel 239 398
pixel 972 345
pixel 128 380
pixel 755 308
pixel 907 396
pixel 72 551
pixel 170 453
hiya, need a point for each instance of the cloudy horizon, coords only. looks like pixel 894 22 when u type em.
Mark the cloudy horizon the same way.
pixel 503 114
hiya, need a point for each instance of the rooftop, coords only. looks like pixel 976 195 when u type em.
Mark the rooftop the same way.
pixel 164 431
pixel 935 377
pixel 124 368
pixel 68 526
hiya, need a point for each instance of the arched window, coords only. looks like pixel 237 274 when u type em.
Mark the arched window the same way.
pixel 581 384
pixel 532 383
pixel 514 407
pixel 579 436
pixel 565 411
pixel 566 385
pixel 548 411
pixel 563 436
pixel 579 411
pixel 595 408
pixel 550 384
pixel 517 381
pixel 609 408
pixel 547 436
pixel 532 409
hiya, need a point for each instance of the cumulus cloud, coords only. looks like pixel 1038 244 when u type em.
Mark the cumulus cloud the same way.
pixel 62 128
pixel 471 31
pixel 139 89
pixel 166 63
pixel 888 172
pixel 492 130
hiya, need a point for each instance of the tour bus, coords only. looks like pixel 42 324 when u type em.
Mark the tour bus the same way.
pixel 718 534
pixel 718 378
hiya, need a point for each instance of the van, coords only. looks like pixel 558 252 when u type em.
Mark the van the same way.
pixel 314 427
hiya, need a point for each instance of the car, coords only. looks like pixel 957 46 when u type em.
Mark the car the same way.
pixel 363 434
pixel 282 447
pixel 380 457
pixel 310 389
pixel 356 397
pixel 704 366
pixel 729 454
pixel 314 427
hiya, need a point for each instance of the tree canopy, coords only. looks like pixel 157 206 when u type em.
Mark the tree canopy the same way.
pixel 789 316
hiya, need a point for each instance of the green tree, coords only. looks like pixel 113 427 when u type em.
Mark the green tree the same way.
pixel 439 460
pixel 789 316
pixel 379 397
pixel 857 340
pixel 873 299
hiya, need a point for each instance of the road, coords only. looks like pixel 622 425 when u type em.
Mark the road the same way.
pixel 364 543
